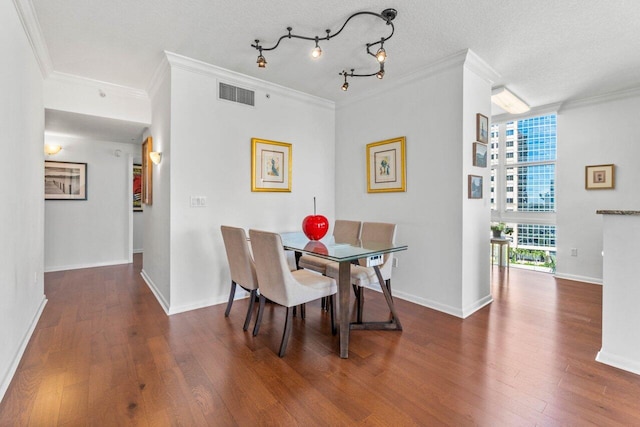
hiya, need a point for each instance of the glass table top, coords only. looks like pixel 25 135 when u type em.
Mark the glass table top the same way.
pixel 327 247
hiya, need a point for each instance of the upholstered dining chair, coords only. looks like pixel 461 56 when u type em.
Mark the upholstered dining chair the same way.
pixel 344 231
pixel 363 276
pixel 241 267
pixel 281 285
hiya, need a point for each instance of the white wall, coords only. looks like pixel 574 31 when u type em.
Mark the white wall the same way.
pixel 593 134
pixel 210 156
pixel 436 114
pixel 22 191
pixel 156 229
pixel 81 95
pixel 92 232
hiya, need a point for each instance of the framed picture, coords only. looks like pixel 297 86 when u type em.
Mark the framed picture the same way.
pixel 65 181
pixel 482 128
pixel 270 165
pixel 475 187
pixel 137 188
pixel 386 166
pixel 479 154
pixel 599 177
pixel 147 172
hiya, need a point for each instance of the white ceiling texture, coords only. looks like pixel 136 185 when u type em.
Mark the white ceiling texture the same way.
pixel 546 51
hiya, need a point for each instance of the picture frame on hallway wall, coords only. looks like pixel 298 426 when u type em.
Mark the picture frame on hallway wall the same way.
pixel 386 166
pixel 479 155
pixel 137 188
pixel 271 165
pixel 65 181
pixel 599 177
pixel 147 172
pixel 482 128
pixel 474 187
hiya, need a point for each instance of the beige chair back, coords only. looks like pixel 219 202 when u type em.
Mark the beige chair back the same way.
pixel 380 232
pixel 345 231
pixel 276 280
pixel 241 264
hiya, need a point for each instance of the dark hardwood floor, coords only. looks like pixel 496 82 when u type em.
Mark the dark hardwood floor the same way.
pixel 105 354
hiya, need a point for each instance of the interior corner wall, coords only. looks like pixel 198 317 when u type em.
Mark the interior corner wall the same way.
pixel 476 285
pixel 593 134
pixel 92 232
pixel 428 111
pixel 211 157
pixel 22 193
pixel 156 227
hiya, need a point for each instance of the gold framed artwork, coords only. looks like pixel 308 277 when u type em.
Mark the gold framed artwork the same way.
pixel 65 181
pixel 270 165
pixel 386 171
pixel 479 155
pixel 147 171
pixel 482 128
pixel 599 177
pixel 474 187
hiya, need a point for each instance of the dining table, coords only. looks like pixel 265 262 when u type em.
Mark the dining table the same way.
pixel 345 254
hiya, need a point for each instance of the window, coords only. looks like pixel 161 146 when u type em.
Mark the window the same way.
pixel 524 185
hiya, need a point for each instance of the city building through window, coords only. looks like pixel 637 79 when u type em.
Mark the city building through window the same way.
pixel 523 174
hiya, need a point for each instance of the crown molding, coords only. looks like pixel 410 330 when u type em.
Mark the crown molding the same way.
pixel 56 76
pixel 599 99
pixel 203 68
pixel 463 58
pixel 31 26
pixel 159 74
pixel 481 67
pixel 445 64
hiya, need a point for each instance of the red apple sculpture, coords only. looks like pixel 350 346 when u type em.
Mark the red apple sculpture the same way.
pixel 315 226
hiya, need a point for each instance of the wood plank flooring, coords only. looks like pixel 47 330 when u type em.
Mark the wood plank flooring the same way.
pixel 105 354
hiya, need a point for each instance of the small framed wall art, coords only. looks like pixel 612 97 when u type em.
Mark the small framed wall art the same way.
pixel 599 177
pixel 65 181
pixel 386 171
pixel 479 154
pixel 482 128
pixel 475 187
pixel 137 188
pixel 270 165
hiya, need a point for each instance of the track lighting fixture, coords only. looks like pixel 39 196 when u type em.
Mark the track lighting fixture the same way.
pixel 387 15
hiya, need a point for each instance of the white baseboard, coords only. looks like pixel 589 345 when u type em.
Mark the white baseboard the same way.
pixel 171 310
pixel 154 289
pixel 49 269
pixel 434 305
pixel 8 376
pixel 472 308
pixel 138 251
pixel 576 278
pixel 623 363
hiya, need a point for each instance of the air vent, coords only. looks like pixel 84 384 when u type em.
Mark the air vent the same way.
pixel 236 94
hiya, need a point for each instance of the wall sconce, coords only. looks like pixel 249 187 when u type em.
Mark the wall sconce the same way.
pixel 156 157
pixel 51 149
pixel 508 101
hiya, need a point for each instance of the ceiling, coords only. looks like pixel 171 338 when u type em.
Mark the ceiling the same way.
pixel 546 51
